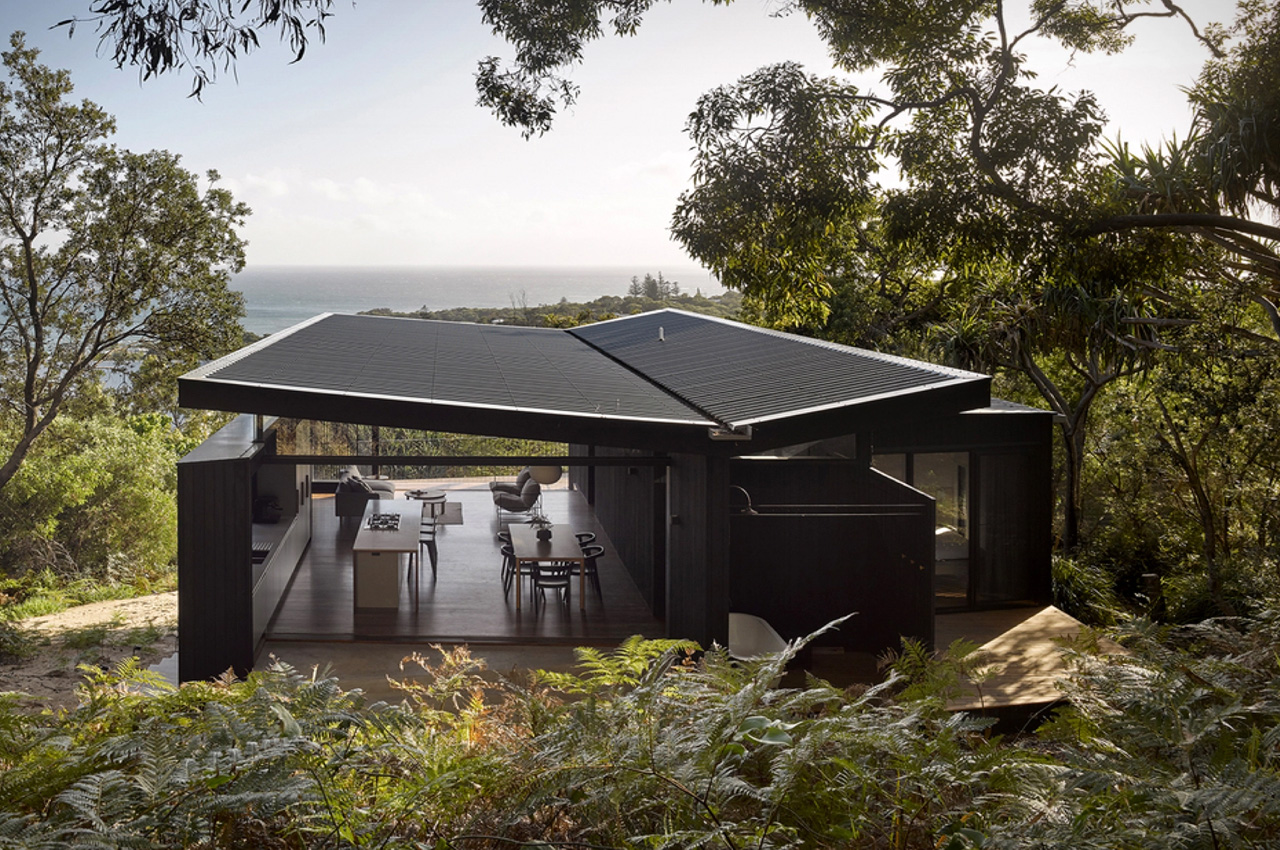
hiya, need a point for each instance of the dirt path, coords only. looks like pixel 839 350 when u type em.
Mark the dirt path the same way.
pixel 99 634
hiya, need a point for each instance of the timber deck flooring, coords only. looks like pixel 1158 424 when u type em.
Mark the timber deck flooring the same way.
pixel 464 601
pixel 1023 648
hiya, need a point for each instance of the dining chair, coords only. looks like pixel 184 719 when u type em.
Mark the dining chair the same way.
pixel 589 556
pixel 508 566
pixel 427 540
pixel 552 576
pixel 585 537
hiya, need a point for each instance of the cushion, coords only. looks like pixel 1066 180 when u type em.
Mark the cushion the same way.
pixel 529 492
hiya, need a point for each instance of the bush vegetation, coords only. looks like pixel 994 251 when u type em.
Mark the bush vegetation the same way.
pixel 1172 745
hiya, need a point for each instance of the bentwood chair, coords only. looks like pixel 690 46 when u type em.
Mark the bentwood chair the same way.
pixel 555 577
pixel 589 555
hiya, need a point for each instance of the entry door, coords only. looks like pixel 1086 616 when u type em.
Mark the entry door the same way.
pixel 1005 554
pixel 945 477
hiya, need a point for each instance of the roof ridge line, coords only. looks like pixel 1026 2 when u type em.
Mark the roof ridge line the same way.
pixel 706 414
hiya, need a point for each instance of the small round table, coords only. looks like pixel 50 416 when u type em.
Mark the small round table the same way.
pixel 434 500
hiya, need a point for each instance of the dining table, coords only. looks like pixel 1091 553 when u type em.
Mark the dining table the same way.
pixel 562 547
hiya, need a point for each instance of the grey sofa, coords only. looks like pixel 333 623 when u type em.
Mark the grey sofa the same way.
pixel 354 492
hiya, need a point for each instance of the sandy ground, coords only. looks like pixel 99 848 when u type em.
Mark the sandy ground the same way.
pixel 100 634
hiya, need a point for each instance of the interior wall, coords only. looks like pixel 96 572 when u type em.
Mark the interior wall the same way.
pixel 629 501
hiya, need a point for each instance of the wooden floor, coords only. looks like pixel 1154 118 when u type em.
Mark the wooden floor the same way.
pixel 465 600
pixel 465 603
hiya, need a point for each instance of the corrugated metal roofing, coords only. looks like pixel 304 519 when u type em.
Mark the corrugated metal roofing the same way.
pixel 703 373
pixel 451 363
pixel 741 375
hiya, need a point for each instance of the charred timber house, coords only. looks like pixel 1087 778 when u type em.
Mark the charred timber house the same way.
pixel 732 468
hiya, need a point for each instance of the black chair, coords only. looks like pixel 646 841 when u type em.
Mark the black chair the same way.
pixel 427 540
pixel 585 537
pixel 508 566
pixel 552 576
pixel 590 554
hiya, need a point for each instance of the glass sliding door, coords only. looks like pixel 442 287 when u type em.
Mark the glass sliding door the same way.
pixel 945 477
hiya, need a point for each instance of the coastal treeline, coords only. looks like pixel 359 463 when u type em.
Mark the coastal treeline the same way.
pixel 644 295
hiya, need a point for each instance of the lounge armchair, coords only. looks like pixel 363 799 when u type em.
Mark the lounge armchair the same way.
pixel 520 503
pixel 354 492
pixel 513 488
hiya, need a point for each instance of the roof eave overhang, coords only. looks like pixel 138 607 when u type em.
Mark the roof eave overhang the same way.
pixel 925 402
pixel 552 426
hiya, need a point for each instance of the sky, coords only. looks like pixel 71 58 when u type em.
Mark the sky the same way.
pixel 372 152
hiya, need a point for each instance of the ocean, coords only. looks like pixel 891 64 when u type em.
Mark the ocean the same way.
pixel 277 297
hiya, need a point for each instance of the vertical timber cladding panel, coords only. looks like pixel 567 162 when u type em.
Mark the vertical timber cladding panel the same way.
pixel 581 477
pixel 624 505
pixel 1013 526
pixel 698 549
pixel 800 572
pixel 215 593
pixel 864 544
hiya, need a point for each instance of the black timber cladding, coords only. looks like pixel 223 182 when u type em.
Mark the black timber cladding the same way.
pixel 741 375
pixel 449 363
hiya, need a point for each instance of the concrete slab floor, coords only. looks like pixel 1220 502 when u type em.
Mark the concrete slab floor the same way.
pixel 367 666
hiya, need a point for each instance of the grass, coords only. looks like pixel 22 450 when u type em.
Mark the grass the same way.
pixel 87 637
pixel 46 595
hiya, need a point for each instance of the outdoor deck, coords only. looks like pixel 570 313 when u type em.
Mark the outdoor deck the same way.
pixel 465 601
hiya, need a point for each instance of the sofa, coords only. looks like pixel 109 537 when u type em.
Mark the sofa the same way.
pixel 354 492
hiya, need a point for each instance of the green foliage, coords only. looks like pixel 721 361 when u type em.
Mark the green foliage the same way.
pixel 1085 589
pixel 95 500
pixel 779 185
pixel 340 438
pixel 15 642
pixel 1172 744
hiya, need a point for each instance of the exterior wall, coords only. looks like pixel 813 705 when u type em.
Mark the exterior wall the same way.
pixel 224 600
pixel 1011 454
pixel 698 549
pixel 831 538
pixel 215 535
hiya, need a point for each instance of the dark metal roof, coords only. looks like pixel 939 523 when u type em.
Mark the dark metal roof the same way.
pixel 743 375
pixel 613 384
pixel 448 363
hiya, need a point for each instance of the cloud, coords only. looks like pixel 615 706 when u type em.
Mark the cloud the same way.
pixel 273 184
pixel 669 166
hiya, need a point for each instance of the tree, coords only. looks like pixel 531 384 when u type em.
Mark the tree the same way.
pixel 105 255
pixel 1227 168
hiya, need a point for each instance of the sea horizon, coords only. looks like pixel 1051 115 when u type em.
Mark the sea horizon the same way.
pixel 280 296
